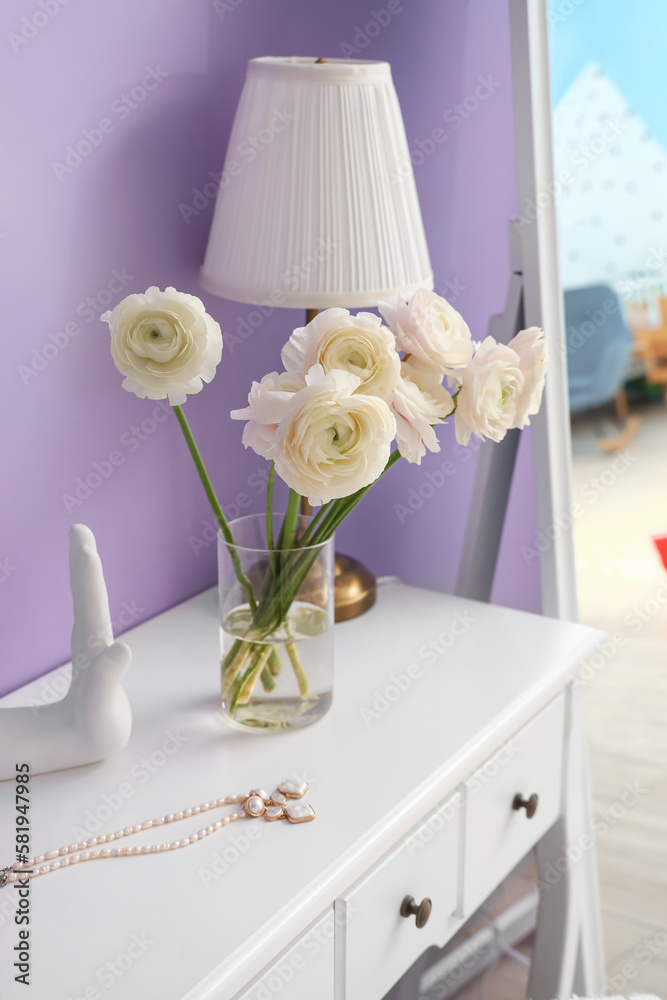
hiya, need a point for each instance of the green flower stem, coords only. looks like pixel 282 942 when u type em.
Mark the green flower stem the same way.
pixel 233 664
pixel 269 515
pixel 215 505
pixel 245 688
pixel 275 666
pixel 295 660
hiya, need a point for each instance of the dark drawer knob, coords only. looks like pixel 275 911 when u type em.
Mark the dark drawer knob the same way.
pixel 530 805
pixel 422 911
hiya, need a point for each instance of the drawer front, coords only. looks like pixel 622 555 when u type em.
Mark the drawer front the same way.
pixel 496 835
pixel 304 972
pixel 375 945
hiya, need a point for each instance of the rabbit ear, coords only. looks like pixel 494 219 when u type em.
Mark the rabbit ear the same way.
pixel 92 629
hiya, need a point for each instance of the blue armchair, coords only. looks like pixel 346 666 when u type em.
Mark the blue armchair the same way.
pixel 599 343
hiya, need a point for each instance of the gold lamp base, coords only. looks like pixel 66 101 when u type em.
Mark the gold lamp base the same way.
pixel 354 588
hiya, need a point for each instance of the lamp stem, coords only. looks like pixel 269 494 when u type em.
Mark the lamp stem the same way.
pixel 306 509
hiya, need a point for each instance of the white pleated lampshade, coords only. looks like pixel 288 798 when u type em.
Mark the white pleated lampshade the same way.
pixel 317 204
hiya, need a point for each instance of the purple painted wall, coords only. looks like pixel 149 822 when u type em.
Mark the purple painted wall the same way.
pixel 151 89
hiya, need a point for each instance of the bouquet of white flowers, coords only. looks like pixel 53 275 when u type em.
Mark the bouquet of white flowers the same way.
pixel 356 395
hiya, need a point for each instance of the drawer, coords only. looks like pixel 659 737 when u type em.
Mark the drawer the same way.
pixel 304 972
pixel 375 945
pixel 496 835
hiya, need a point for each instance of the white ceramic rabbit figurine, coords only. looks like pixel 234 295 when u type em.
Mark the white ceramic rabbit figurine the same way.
pixel 94 718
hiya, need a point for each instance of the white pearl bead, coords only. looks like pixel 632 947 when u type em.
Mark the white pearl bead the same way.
pixel 178 815
pixel 116 852
pixel 153 848
pixel 64 862
pixel 12 877
pixel 74 859
pixel 136 828
pixel 84 856
pixel 105 853
pixel 145 849
pixel 127 831
pixel 218 824
pixel 164 847
pixel 81 846
pixel 91 842
pixel 210 829
pixel 93 855
pixel 55 865
pixel 147 824
pixel 174 844
pixel 230 800
pixel 38 859
pixel 184 842
pixel 72 847
pixel 50 854
pixel 62 850
pixel 194 837
pixel 44 869
pixel 187 812
pixel 196 810
pixel 169 818
pixel 102 839
pixel 158 821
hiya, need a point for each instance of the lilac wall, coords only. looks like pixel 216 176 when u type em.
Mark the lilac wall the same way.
pixel 67 232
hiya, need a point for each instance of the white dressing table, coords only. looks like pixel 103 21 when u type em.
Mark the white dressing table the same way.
pixel 413 774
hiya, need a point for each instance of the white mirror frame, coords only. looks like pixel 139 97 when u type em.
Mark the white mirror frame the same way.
pixel 543 301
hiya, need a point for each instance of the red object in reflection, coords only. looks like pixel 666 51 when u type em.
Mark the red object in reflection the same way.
pixel 661 545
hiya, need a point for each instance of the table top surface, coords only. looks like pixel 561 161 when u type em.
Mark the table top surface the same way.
pixel 199 922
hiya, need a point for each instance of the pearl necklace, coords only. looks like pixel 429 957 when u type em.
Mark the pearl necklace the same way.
pixel 278 805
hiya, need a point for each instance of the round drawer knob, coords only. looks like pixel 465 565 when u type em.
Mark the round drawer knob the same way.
pixel 422 911
pixel 530 805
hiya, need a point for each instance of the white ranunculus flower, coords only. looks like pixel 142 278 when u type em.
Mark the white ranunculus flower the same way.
pixel 419 401
pixel 332 441
pixel 164 343
pixel 341 342
pixel 267 405
pixel 429 328
pixel 531 347
pixel 491 387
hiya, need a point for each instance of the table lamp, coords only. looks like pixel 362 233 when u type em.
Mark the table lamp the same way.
pixel 317 207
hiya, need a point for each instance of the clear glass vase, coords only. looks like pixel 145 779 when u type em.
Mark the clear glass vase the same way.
pixel 276 627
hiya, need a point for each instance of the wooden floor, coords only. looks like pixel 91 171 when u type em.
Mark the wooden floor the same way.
pixel 622 589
